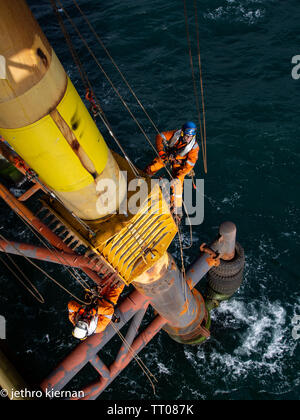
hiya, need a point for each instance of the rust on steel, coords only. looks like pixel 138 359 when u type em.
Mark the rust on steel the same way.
pixel 132 308
pixel 44 254
pixel 87 352
pixel 29 193
pixel 171 297
pixel 185 323
pixel 35 222
pixel 95 389
pixel 30 218
pixel 227 240
pixel 88 349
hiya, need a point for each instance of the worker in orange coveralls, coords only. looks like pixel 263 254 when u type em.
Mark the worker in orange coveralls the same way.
pixel 181 150
pixel 94 319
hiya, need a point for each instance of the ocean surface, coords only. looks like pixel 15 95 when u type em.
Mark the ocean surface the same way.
pixel 252 114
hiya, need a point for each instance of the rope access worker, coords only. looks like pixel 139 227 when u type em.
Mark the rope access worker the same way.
pixel 94 318
pixel 181 150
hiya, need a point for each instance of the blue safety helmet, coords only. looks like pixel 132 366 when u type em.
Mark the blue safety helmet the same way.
pixel 189 129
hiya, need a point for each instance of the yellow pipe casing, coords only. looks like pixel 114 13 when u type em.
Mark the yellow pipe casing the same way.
pixel 54 160
pixel 43 118
pixel 45 121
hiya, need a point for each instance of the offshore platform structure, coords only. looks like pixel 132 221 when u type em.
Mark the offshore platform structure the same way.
pixel 49 136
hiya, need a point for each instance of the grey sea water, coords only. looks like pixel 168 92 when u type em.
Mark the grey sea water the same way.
pixel 253 179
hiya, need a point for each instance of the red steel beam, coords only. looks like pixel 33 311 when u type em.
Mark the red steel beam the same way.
pixel 35 188
pixel 35 222
pixel 44 254
pixel 21 166
pixel 86 351
pixel 92 391
pixel 31 219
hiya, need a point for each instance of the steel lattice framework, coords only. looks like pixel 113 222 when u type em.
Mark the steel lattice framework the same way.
pixel 131 310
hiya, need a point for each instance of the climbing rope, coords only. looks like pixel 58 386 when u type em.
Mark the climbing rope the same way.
pixel 90 95
pixel 121 74
pixel 116 66
pixel 137 358
pixel 75 27
pixel 58 256
pixel 124 78
pixel 202 129
pixel 110 81
pixel 33 177
pixel 126 106
pixel 201 82
pixel 33 291
pixel 39 268
pixel 136 98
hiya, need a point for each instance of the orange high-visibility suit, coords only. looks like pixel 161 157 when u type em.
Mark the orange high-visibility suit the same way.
pixel 104 311
pixel 182 164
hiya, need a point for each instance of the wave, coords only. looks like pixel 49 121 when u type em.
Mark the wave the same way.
pixel 259 333
pixel 244 11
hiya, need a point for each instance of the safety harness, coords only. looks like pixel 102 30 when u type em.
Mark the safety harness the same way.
pixel 170 147
pixel 90 311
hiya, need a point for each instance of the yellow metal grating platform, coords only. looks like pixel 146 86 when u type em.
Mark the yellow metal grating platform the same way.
pixel 142 241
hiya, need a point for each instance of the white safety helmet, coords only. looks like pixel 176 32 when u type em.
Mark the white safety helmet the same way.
pixel 81 330
pixel 84 329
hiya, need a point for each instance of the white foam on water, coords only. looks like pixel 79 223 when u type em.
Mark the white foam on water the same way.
pixel 232 199
pixel 17 192
pixel 262 331
pixel 193 393
pixel 262 276
pixel 163 369
pixel 290 234
pixel 266 324
pixel 245 11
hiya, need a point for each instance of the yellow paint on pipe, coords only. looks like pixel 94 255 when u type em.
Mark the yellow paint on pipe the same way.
pixel 44 148
pixel 79 120
pixel 43 118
